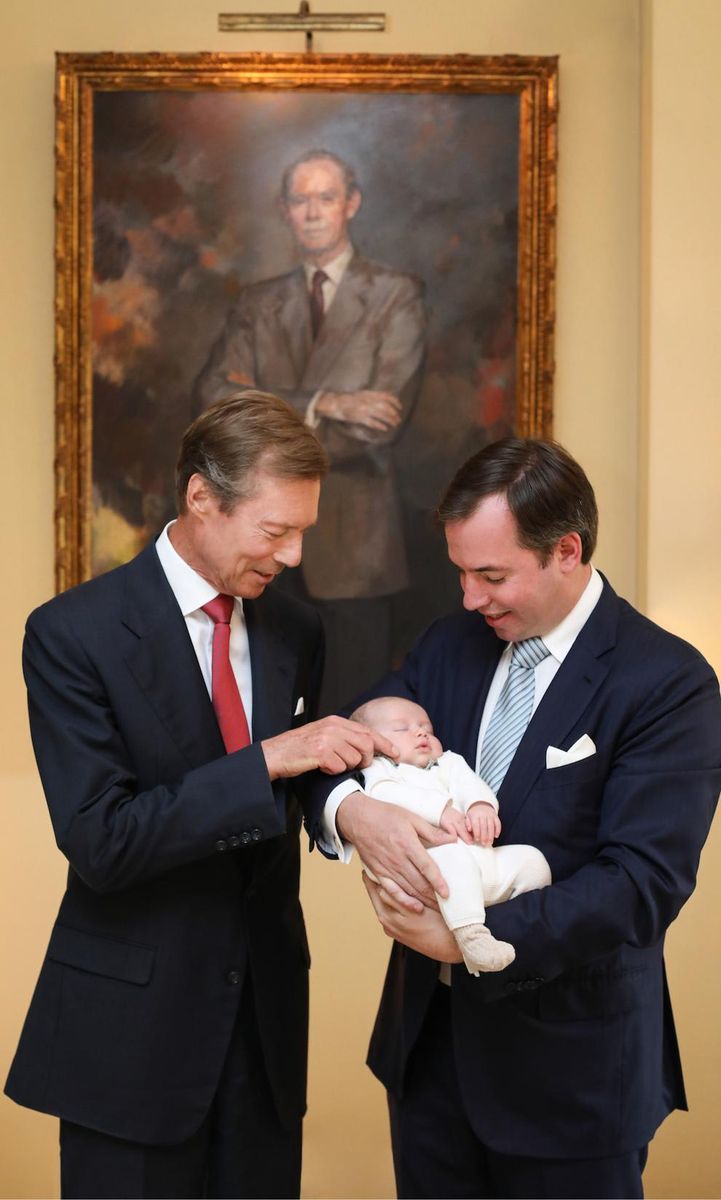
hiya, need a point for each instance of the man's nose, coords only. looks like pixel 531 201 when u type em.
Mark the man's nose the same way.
pixel 291 551
pixel 313 208
pixel 475 595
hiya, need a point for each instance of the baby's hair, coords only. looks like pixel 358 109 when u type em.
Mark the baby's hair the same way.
pixel 364 711
pixel 359 714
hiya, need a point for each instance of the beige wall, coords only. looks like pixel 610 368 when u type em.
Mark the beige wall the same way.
pixel 634 344
pixel 680 559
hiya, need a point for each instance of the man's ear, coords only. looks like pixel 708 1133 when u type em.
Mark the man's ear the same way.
pixel 568 552
pixel 198 496
pixel 353 203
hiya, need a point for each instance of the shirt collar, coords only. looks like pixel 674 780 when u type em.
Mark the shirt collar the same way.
pixel 189 588
pixel 560 639
pixel 335 270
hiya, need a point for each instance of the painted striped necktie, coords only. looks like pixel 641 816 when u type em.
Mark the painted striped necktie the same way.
pixel 512 711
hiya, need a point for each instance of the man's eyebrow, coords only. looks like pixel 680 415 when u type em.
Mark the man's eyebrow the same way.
pixel 484 569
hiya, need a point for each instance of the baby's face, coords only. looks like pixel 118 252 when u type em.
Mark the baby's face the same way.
pixel 409 727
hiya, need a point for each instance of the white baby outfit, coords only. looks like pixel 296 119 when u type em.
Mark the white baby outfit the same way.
pixel 476 875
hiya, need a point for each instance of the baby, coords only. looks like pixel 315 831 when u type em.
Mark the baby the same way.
pixel 440 786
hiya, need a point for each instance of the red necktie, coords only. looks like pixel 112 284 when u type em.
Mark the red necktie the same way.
pixel 226 697
pixel 317 306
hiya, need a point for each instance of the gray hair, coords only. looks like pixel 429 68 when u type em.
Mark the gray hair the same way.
pixel 349 176
pixel 246 432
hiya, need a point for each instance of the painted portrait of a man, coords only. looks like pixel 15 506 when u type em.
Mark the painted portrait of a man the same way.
pixel 356 253
pixel 343 339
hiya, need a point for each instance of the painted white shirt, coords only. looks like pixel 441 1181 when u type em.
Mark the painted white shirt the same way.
pixel 335 270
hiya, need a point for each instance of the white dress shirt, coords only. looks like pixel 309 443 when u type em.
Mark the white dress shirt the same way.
pixel 559 641
pixel 192 592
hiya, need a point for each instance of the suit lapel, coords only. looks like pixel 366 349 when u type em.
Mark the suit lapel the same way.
pixel 471 680
pixel 293 320
pixel 567 699
pixel 163 661
pixel 345 313
pixel 272 665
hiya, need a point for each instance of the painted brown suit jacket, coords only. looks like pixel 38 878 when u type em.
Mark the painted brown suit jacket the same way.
pixel 373 336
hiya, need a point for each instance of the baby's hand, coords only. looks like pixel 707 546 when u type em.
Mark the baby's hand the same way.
pixel 454 822
pixel 482 823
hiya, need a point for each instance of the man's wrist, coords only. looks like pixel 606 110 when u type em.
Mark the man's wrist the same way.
pixel 330 837
pixel 344 812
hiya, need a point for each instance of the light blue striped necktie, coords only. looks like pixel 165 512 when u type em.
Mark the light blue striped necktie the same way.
pixel 512 711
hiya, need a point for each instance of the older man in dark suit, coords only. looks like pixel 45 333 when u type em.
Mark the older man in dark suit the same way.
pixel 602 734
pixel 343 340
pixel 171 701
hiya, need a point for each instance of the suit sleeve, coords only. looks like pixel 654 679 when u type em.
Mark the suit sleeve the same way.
pixel 115 828
pixel 656 808
pixel 399 326
pixel 231 365
pixel 317 786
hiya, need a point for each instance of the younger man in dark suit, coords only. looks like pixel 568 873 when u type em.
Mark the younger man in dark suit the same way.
pixel 170 702
pixel 601 734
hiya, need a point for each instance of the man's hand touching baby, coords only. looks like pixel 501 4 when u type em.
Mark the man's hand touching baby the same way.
pixel 482 823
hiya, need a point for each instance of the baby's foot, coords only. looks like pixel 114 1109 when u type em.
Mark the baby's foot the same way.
pixel 481 951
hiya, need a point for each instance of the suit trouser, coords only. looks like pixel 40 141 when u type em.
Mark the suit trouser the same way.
pixel 240 1150
pixel 437 1153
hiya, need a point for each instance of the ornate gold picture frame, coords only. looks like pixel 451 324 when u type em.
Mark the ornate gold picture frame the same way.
pixel 168 178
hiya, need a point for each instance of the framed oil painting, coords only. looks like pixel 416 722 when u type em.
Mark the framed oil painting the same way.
pixel 192 195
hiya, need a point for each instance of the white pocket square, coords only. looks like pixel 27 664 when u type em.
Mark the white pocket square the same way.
pixel 583 748
pixel 300 707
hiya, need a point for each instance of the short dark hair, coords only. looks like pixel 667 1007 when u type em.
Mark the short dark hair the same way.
pixel 546 490
pixel 349 176
pixel 234 438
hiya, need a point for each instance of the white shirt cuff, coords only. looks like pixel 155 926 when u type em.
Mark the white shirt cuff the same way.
pixel 330 840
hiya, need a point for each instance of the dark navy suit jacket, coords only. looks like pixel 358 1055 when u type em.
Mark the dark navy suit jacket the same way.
pixel 184 860
pixel 571 1051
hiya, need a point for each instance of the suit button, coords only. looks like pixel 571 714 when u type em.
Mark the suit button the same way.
pixel 234 842
pixel 244 838
pixel 256 834
pixel 233 978
pixel 221 845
